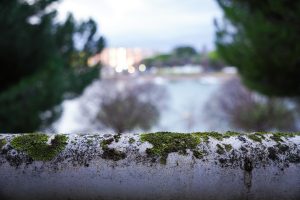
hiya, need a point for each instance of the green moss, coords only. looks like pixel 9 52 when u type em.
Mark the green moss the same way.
pixel 205 135
pixel 113 154
pixel 105 143
pixel 229 134
pixel 228 147
pixel 257 137
pixel 220 149
pixel 117 137
pixel 131 140
pixel 89 141
pixel 2 143
pixel 277 137
pixel 36 147
pixel 166 142
pixel 198 154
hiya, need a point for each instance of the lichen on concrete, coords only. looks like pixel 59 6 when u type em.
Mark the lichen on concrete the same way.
pixel 35 145
pixel 225 149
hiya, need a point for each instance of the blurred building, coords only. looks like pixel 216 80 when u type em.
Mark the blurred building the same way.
pixel 121 59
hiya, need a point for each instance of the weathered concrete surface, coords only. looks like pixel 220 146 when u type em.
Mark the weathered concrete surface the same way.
pixel 108 167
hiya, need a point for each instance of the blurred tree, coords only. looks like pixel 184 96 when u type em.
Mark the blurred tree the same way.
pixel 185 51
pixel 125 106
pixel 247 111
pixel 40 63
pixel 261 38
pixel 214 61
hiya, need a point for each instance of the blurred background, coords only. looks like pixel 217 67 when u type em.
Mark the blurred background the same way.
pixel 105 66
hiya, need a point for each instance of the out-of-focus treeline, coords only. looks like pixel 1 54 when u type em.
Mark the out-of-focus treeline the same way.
pixel 186 55
pixel 40 63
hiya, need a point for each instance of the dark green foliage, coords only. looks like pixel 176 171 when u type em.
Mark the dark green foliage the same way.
pixel 261 38
pixel 36 147
pixel 40 66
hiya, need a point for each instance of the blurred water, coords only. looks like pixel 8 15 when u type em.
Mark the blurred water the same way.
pixel 185 111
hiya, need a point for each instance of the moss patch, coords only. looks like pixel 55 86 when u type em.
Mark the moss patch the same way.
pixel 220 149
pixel 166 142
pixel 277 137
pixel 229 134
pixel 105 143
pixel 228 147
pixel 2 143
pixel 198 154
pixel 206 135
pixel 36 147
pixel 111 153
pixel 257 137
pixel 131 141
pixel 117 137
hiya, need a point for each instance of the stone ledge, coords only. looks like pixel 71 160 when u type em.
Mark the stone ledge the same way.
pixel 138 166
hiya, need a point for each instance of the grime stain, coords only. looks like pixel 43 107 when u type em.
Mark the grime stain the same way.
pixel 248 167
pixel 35 145
pixel 272 153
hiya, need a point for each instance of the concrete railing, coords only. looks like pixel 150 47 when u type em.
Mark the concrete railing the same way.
pixel 151 166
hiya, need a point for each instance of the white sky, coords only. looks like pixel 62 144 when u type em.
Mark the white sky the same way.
pixel 153 24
